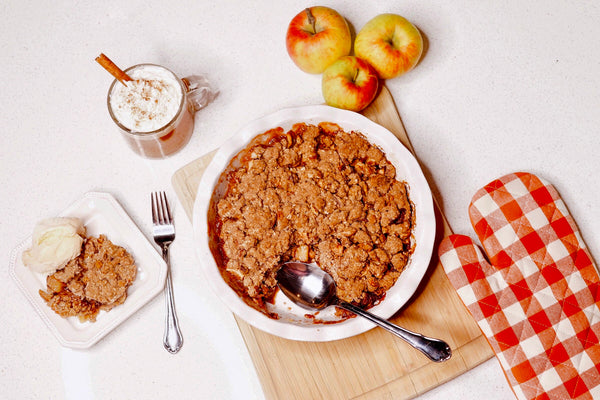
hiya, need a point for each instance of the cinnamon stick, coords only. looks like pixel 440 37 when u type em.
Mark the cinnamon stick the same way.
pixel 111 67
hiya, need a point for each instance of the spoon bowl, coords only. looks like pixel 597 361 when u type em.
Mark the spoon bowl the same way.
pixel 312 288
pixel 307 285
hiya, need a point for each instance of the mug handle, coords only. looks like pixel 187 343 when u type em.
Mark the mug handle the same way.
pixel 199 92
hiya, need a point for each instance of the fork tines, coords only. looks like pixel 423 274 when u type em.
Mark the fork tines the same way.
pixel 161 213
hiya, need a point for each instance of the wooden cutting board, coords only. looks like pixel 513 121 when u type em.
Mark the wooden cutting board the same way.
pixel 375 364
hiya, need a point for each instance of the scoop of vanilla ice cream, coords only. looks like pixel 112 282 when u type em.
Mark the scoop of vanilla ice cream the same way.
pixel 55 241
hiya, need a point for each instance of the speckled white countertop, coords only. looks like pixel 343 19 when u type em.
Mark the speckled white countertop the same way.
pixel 503 87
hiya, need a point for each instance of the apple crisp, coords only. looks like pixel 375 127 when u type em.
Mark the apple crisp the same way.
pixel 97 279
pixel 314 193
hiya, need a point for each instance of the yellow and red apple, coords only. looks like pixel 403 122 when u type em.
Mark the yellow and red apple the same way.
pixel 390 43
pixel 349 83
pixel 316 37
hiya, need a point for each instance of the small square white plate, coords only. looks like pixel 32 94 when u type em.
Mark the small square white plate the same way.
pixel 101 214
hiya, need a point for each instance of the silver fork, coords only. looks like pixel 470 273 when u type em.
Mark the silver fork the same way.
pixel 163 231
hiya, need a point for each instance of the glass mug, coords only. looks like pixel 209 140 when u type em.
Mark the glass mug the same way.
pixel 186 96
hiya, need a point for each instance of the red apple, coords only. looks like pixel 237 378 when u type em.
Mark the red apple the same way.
pixel 390 43
pixel 316 37
pixel 349 83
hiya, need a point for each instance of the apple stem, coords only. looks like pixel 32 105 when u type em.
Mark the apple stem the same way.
pixel 311 20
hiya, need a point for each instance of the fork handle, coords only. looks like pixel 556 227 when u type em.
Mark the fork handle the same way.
pixel 172 340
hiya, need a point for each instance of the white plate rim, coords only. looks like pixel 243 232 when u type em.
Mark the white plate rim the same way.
pixel 413 274
pixel 68 331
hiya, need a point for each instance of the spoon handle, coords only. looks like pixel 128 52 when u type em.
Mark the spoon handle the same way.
pixel 435 349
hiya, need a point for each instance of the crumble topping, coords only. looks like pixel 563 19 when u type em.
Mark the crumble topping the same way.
pixel 97 279
pixel 315 193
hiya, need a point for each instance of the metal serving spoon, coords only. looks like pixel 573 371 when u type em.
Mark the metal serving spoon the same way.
pixel 310 287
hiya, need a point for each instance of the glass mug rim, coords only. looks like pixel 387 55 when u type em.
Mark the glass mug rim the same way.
pixel 160 130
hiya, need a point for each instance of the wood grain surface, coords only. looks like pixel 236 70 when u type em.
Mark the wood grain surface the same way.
pixel 375 364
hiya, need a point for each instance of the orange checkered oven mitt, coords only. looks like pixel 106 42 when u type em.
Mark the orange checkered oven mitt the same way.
pixel 537 299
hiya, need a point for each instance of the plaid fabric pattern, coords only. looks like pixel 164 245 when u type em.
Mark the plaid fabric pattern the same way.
pixel 537 299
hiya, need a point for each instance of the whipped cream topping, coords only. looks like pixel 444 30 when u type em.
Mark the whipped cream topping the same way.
pixel 149 101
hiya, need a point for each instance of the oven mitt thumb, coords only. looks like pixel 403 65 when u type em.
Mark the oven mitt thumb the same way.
pixel 537 299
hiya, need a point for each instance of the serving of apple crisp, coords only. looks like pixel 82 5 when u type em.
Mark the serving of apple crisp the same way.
pixel 313 193
pixel 97 279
